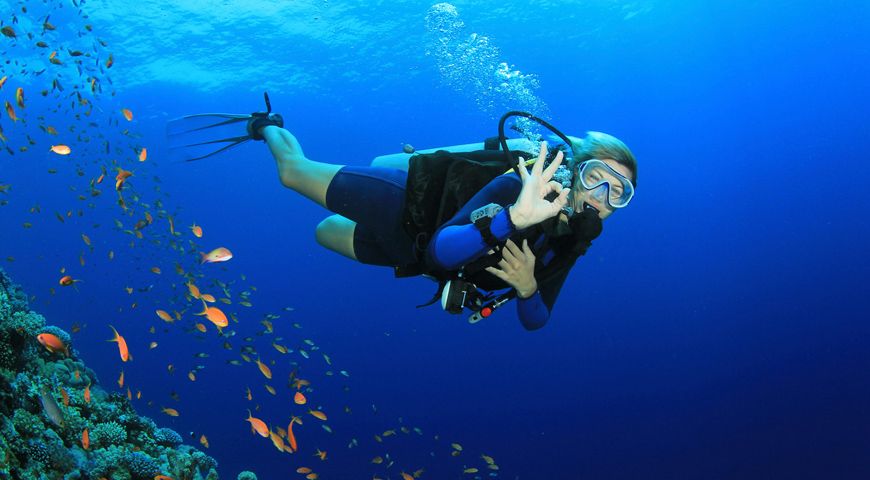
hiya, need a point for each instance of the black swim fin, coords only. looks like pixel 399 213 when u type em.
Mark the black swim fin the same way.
pixel 191 137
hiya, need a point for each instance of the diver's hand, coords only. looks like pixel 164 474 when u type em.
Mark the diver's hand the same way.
pixel 517 268
pixel 261 120
pixel 531 206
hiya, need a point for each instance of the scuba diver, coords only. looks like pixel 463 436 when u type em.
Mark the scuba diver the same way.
pixel 472 217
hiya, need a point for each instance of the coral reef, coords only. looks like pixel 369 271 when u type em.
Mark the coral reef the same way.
pixel 43 413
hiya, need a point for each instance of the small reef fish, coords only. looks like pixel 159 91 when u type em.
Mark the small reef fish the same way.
pixel 52 343
pixel 122 345
pixel 264 369
pixel 11 112
pixel 122 177
pixel 51 408
pixel 219 254
pixel 197 230
pixel 317 414
pixel 299 398
pixel 257 425
pixel 128 114
pixel 86 440
pixel 19 97
pixel 143 154
pixel 67 280
pixel 291 438
pixel 169 411
pixel 165 316
pixel 60 149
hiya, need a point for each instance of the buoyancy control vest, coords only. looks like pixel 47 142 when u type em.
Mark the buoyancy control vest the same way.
pixel 439 184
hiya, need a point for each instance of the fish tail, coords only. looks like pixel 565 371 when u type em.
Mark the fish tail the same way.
pixel 115 339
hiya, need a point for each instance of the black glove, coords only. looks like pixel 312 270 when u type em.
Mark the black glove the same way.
pixel 262 119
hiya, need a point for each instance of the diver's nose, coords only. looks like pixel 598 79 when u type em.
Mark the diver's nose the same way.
pixel 599 195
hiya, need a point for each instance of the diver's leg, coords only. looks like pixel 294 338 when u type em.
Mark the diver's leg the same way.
pixel 305 176
pixel 336 233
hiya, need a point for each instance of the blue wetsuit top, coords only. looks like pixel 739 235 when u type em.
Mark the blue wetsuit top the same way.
pixel 458 242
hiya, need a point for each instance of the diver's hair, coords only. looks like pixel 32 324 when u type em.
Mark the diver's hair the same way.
pixel 600 146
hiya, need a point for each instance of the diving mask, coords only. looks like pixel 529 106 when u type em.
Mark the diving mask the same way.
pixel 604 181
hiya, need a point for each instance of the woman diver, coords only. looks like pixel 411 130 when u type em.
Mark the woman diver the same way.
pixel 522 231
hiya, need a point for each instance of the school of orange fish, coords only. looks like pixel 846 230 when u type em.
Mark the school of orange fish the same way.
pixel 77 76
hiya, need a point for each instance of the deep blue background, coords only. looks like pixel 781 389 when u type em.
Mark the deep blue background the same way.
pixel 717 329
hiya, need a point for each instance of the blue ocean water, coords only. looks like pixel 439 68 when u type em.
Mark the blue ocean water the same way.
pixel 716 329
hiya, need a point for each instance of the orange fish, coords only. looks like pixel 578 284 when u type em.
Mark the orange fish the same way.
pixel 3 80
pixel 303 470
pixel 122 176
pixel 127 114
pixel 291 438
pixel 122 345
pixel 264 369
pixel 249 394
pixel 121 379
pixel 162 477
pixel 165 316
pixel 11 112
pixel 100 178
pixel 317 414
pixel 405 476
pixel 219 254
pixel 257 425
pixel 86 440
pixel 52 343
pixel 64 396
pixel 311 476
pixel 215 315
pixel 197 230
pixel 60 149
pixel 110 61
pixel 19 97
pixel 143 154
pixel 203 441
pixel 207 297
pixel 299 398
pixel 277 441
pixel 67 280
pixel 194 290
pixel 169 411
pixel 321 454
pixel 87 393
pixel 200 327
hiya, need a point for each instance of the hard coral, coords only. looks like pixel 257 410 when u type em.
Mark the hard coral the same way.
pixel 108 433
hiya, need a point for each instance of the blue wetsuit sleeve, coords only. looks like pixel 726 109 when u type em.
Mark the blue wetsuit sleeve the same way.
pixel 535 310
pixel 532 311
pixel 458 241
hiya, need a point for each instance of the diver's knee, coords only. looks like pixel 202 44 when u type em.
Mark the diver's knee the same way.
pixel 336 233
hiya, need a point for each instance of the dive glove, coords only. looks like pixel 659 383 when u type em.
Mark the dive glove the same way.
pixel 259 120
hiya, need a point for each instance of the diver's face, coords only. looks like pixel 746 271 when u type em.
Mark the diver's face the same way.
pixel 596 196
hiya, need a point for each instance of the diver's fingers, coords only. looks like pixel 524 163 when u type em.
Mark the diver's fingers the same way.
pixel 513 248
pixel 530 255
pixel 524 173
pixel 508 257
pixel 538 167
pixel 498 273
pixel 551 169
